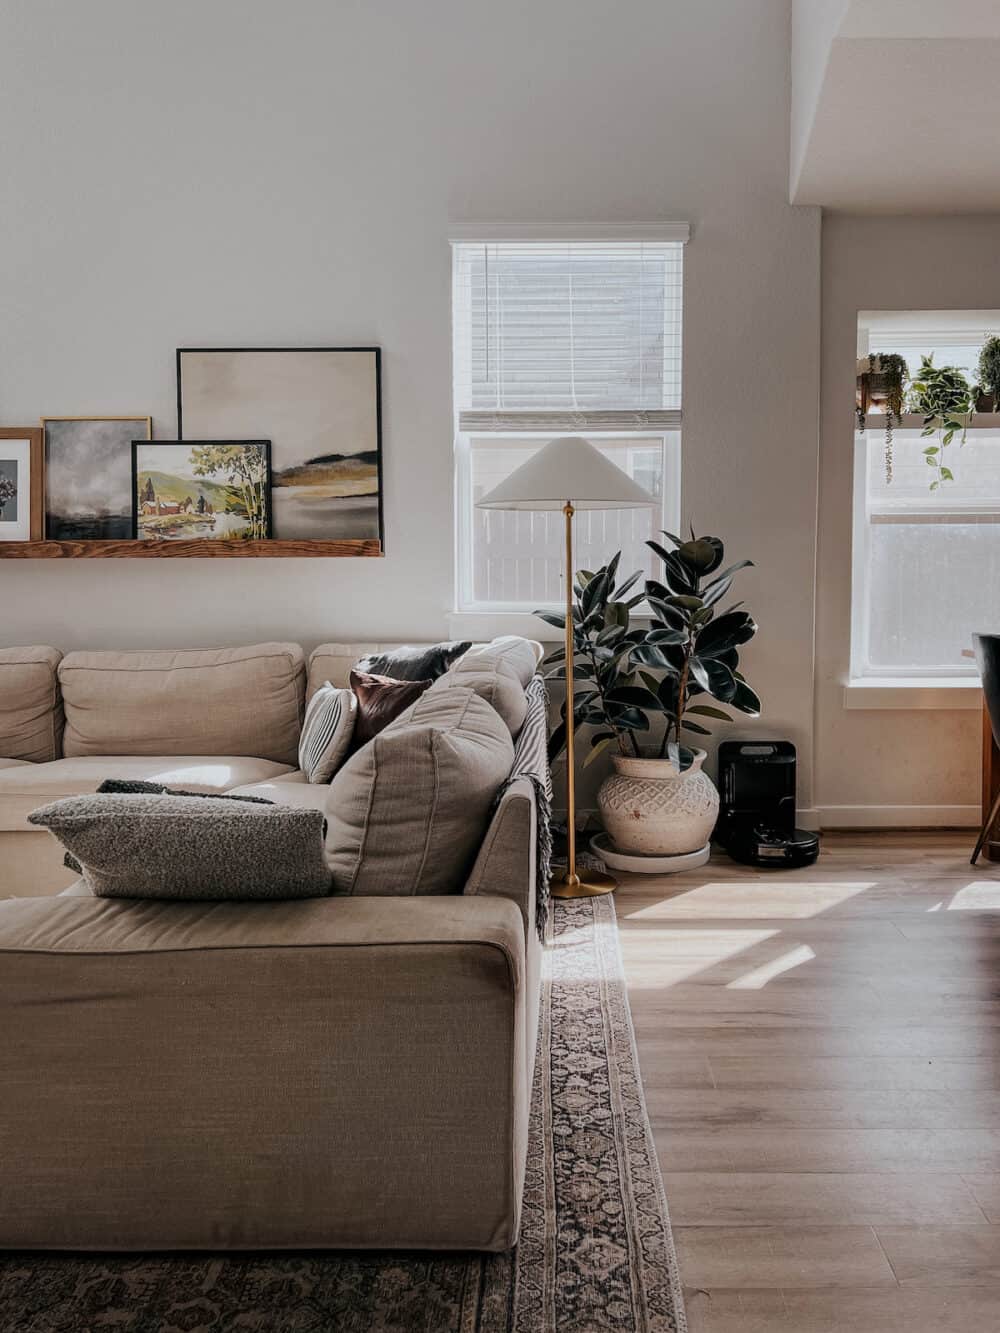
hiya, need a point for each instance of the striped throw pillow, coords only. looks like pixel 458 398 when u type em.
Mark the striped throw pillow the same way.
pixel 326 732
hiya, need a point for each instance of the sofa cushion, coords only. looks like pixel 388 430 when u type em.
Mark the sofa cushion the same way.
pixel 25 788
pixel 290 789
pixel 380 701
pixel 190 847
pixel 31 714
pixel 327 732
pixel 246 701
pixel 407 812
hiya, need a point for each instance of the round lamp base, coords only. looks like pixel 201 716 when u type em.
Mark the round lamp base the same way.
pixel 584 884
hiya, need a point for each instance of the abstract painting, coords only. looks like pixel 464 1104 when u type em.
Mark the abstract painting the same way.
pixel 319 407
pixel 201 490
pixel 88 494
pixel 20 483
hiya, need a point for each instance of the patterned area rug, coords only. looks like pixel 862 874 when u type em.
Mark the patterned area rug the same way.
pixel 595 1252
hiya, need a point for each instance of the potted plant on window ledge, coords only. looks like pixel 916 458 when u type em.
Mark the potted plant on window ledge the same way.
pixel 881 383
pixel 646 691
pixel 988 394
pixel 946 400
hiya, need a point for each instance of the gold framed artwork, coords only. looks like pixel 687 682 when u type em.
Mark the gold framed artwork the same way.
pixel 88 476
pixel 22 504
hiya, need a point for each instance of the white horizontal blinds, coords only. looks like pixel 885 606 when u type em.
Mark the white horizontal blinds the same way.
pixel 568 335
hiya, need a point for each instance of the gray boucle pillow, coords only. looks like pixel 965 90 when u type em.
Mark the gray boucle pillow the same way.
pixel 190 847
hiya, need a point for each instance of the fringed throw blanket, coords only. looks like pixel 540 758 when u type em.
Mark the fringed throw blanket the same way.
pixel 531 761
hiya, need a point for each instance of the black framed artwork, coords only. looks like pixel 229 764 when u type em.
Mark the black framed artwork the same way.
pixel 201 490
pixel 87 494
pixel 320 407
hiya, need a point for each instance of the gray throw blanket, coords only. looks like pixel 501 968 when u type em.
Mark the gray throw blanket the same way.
pixel 531 761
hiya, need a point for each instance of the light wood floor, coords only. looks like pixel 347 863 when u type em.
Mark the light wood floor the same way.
pixel 821 1056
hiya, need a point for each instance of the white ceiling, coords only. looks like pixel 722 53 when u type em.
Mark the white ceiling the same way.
pixel 896 105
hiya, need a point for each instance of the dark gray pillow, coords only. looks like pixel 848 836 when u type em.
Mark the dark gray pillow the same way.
pixel 190 847
pixel 406 663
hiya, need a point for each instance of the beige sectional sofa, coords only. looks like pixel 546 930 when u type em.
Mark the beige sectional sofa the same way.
pixel 337 1072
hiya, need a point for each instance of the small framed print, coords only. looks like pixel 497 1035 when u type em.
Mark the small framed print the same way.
pixel 88 477
pixel 21 484
pixel 201 490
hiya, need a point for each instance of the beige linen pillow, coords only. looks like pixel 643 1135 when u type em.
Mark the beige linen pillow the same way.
pixel 522 655
pixel 499 672
pixel 495 681
pixel 407 812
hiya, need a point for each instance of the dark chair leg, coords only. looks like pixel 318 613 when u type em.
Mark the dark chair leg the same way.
pixel 984 832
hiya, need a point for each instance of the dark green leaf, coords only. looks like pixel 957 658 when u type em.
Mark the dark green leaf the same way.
pixel 725 632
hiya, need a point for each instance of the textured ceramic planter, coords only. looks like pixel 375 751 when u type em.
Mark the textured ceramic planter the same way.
pixel 651 809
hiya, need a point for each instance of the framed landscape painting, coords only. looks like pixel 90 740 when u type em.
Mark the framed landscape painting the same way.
pixel 88 491
pixel 201 490
pixel 319 407
pixel 21 513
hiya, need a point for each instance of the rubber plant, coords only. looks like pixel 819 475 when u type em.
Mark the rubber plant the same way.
pixel 946 400
pixel 882 377
pixel 694 645
pixel 989 369
pixel 631 675
pixel 603 639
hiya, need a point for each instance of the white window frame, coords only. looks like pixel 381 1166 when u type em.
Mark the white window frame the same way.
pixel 904 687
pixel 668 515
pixel 472 617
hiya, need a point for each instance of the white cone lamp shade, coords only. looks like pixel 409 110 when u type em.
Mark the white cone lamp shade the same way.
pixel 567 470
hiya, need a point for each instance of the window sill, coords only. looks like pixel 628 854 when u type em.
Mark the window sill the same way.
pixel 481 626
pixel 941 692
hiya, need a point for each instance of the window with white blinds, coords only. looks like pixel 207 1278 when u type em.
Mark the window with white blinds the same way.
pixel 562 337
pixel 584 332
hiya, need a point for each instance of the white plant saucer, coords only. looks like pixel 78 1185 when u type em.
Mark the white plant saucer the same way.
pixel 636 864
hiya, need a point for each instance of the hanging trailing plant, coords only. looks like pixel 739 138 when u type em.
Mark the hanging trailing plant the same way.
pixel 989 370
pixel 881 380
pixel 946 400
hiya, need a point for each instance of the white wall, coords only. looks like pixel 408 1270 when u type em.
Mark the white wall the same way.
pixel 900 761
pixel 241 172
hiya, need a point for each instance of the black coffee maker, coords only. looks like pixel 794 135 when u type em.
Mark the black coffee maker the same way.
pixel 757 805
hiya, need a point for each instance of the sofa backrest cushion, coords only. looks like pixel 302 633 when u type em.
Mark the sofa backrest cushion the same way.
pixel 31 714
pixel 224 701
pixel 407 812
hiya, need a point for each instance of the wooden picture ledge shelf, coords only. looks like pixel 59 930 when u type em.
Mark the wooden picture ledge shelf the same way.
pixel 197 550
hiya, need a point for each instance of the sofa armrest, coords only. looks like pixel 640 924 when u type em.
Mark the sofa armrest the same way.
pixel 326 1073
pixel 507 860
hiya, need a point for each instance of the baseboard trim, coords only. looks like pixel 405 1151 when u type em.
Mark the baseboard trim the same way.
pixel 898 816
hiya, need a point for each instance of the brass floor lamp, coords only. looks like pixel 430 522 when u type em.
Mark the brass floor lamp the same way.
pixel 569 474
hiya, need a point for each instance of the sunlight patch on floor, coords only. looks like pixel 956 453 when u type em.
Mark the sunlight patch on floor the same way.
pixel 744 900
pixel 669 957
pixel 760 976
pixel 982 895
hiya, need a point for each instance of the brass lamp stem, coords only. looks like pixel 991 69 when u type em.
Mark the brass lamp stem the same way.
pixel 569 884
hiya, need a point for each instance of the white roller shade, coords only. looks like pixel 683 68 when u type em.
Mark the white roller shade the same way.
pixel 568 334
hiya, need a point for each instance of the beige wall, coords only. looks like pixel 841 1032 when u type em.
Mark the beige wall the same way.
pixel 879 765
pixel 242 173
